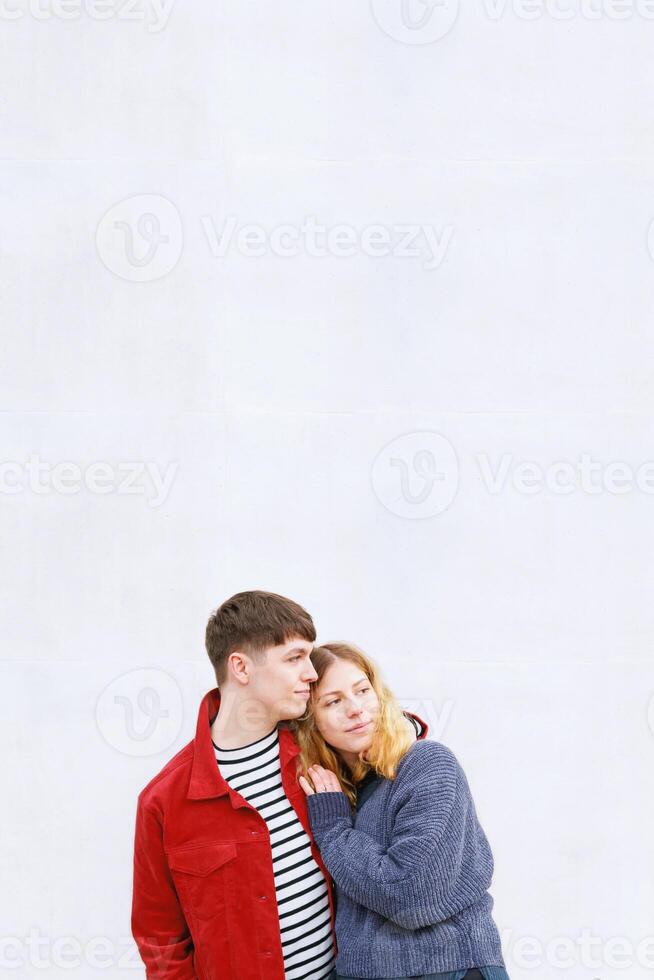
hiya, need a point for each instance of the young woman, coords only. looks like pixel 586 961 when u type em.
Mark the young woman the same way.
pixel 398 832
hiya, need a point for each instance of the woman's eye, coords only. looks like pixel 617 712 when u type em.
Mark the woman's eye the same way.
pixel 363 690
pixel 330 703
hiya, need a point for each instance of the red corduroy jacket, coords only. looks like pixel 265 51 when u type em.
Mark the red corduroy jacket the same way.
pixel 203 903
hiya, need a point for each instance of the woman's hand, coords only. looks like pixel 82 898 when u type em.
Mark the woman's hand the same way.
pixel 324 781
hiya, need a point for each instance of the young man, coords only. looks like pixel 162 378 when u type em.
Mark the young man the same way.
pixel 228 882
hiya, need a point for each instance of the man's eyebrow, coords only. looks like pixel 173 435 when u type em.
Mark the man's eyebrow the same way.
pixel 299 650
pixel 327 693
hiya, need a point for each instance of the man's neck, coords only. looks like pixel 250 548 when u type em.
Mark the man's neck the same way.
pixel 240 721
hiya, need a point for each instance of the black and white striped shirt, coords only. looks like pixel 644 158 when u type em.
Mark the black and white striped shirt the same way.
pixel 254 772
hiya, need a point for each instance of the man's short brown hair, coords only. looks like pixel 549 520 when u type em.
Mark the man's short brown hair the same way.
pixel 252 622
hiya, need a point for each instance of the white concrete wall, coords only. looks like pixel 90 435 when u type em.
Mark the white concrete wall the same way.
pixel 436 434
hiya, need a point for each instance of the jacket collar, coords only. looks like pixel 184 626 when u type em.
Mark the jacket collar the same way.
pixel 206 779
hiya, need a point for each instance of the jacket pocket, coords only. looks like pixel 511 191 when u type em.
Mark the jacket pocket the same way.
pixel 201 873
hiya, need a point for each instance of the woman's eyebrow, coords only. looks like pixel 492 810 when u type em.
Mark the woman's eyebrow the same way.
pixel 327 693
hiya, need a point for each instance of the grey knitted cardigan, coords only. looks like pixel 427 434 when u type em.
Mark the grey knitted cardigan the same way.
pixel 412 869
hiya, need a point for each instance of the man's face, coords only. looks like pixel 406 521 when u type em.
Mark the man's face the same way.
pixel 282 682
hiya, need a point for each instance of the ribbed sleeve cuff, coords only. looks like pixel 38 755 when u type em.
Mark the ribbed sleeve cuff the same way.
pixel 326 808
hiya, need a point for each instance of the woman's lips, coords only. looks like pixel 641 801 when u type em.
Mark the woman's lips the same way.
pixel 359 728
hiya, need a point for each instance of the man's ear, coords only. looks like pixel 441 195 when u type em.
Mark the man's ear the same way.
pixel 239 667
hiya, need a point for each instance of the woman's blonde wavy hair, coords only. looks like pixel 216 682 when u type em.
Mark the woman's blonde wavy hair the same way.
pixel 392 737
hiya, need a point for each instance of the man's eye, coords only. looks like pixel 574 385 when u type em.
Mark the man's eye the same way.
pixel 295 658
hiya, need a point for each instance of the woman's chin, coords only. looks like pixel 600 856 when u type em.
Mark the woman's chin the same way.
pixel 358 745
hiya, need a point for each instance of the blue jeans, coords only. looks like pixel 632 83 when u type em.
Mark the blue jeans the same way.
pixel 470 975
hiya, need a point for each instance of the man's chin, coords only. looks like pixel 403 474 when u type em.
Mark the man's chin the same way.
pixel 292 708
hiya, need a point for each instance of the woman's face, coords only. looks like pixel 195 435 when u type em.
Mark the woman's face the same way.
pixel 345 708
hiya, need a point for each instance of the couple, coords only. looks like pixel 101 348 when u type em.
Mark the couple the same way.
pixel 310 831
